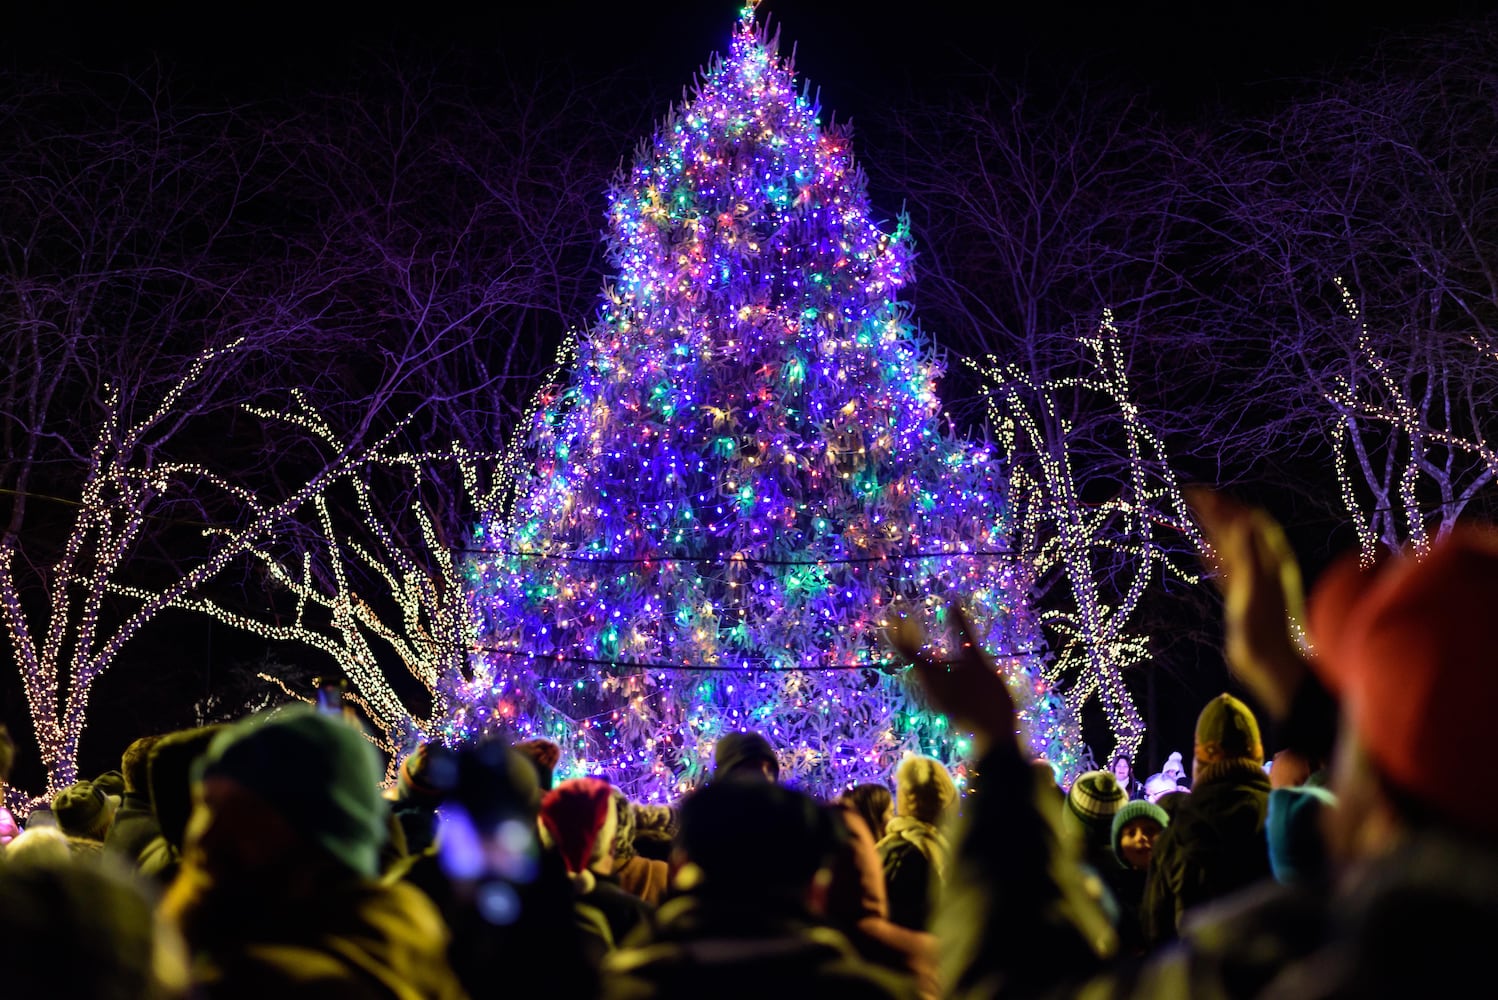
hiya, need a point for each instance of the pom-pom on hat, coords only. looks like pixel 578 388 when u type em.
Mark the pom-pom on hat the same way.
pixel 1226 730
pixel 1174 765
pixel 575 814
pixel 1138 809
pixel 1408 649
pixel 317 771
pixel 1092 802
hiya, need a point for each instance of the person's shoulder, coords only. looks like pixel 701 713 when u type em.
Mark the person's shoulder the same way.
pixel 898 852
pixel 286 971
pixel 817 960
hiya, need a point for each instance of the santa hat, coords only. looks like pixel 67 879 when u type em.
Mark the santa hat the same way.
pixel 575 814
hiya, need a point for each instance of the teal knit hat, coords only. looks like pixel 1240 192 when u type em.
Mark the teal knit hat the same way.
pixel 1297 854
pixel 317 771
pixel 1137 809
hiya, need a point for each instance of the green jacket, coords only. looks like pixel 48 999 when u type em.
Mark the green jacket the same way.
pixel 366 942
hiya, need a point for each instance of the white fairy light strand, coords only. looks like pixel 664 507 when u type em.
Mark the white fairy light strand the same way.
pixel 1396 515
pixel 1096 646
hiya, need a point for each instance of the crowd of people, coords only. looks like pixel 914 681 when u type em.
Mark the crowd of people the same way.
pixel 1329 849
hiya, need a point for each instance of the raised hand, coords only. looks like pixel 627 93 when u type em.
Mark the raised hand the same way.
pixel 966 688
pixel 1255 569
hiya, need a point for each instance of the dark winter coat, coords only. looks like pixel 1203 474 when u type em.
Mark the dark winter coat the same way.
pixel 736 947
pixel 914 856
pixel 134 828
pixel 623 911
pixel 1418 922
pixel 1215 845
pixel 1126 887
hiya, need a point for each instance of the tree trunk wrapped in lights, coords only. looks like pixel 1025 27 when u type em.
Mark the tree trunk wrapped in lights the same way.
pixel 1410 433
pixel 1096 559
pixel 740 475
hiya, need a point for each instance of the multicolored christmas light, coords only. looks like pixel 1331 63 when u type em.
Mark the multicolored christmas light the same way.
pixel 743 476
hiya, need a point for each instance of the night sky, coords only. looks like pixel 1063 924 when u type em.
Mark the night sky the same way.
pixel 866 59
pixel 863 56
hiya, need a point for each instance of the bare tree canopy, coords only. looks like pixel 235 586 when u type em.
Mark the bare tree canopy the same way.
pixel 406 251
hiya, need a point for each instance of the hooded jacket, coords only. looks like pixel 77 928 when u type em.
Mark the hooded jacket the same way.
pixel 914 855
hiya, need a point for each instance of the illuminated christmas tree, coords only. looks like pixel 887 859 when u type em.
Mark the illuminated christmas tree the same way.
pixel 740 475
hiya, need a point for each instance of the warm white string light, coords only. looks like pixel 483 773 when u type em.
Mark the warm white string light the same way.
pixel 1093 546
pixel 60 663
pixel 420 617
pixel 1394 443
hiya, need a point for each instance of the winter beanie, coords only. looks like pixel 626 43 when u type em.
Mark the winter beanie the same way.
pixel 924 789
pixel 575 813
pixel 1138 809
pixel 734 750
pixel 1297 852
pixel 83 810
pixel 1174 765
pixel 752 838
pixel 111 783
pixel 169 775
pixel 317 771
pixel 425 777
pixel 1094 799
pixel 1157 785
pixel 1407 649
pixel 544 755
pixel 1226 734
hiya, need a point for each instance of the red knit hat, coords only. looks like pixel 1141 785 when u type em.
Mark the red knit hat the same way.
pixel 574 813
pixel 1409 650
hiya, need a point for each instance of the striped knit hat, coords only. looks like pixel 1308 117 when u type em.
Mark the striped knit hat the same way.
pixel 1091 803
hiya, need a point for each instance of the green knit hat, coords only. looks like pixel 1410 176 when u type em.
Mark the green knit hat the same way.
pixel 1227 730
pixel 317 771
pixel 1137 809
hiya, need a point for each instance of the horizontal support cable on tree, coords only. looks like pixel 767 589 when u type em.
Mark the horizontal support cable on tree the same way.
pixel 724 560
pixel 637 667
